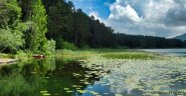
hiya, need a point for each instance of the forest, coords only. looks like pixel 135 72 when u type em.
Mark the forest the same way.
pixel 41 26
pixel 139 41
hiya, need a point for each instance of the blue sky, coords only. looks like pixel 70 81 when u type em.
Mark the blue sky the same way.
pixel 164 18
pixel 99 6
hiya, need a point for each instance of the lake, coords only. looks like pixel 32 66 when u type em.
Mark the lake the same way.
pixel 102 77
pixel 174 52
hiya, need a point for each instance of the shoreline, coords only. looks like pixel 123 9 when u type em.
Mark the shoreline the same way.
pixel 7 61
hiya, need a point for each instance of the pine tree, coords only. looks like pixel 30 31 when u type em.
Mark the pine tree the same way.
pixel 38 18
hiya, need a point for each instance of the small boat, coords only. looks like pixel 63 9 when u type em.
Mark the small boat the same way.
pixel 38 56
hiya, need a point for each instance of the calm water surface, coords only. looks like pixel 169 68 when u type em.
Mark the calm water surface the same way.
pixel 56 77
pixel 175 52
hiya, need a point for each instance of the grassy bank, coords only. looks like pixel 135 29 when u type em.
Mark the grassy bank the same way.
pixel 2 55
pixel 82 55
pixel 104 53
pixel 13 58
pixel 70 55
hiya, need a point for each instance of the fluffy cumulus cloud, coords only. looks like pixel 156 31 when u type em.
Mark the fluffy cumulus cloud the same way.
pixel 96 16
pixel 165 18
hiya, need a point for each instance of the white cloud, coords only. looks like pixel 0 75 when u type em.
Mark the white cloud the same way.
pixel 148 17
pixel 96 16
pixel 126 13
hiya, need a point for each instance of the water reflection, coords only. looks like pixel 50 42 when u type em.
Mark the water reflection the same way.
pixel 58 78
pixel 140 77
pixel 24 78
pixel 41 77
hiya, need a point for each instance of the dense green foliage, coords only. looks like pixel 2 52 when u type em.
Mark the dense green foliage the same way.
pixel 35 13
pixel 38 29
pixel 40 26
pixel 23 25
pixel 72 25
pixel 11 27
pixel 138 41
pixel 67 45
pixel 69 24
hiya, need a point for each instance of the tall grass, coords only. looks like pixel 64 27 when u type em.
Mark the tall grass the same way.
pixel 129 55
pixel 2 55
pixel 105 53
pixel 74 55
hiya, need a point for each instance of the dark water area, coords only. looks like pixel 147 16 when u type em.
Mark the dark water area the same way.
pixel 41 77
pixel 53 77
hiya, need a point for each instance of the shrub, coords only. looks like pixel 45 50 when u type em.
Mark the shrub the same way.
pixel 85 47
pixel 67 45
pixel 23 55
pixel 49 47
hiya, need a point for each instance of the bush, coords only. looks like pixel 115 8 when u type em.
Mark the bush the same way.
pixel 49 47
pixel 11 27
pixel 67 45
pixel 59 42
pixel 23 55
pixel 85 47
pixel 122 47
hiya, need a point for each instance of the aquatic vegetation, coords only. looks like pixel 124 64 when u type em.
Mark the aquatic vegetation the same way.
pixel 118 95
pixel 69 91
pixel 129 55
pixel 74 55
pixel 110 54
pixel 95 74
pixel 146 75
pixel 124 72
pixel 45 93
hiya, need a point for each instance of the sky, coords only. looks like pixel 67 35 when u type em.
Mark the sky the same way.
pixel 163 18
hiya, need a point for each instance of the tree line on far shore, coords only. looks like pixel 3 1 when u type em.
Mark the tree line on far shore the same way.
pixel 78 29
pixel 41 26
pixel 139 41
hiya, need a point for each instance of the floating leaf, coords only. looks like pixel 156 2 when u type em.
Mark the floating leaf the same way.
pixel 69 91
pixel 74 85
pixel 118 95
pixel 46 94
pixel 78 88
pixel 43 91
pixel 66 88
pixel 33 72
pixel 87 83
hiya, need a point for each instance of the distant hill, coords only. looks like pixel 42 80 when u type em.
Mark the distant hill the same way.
pixel 181 37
